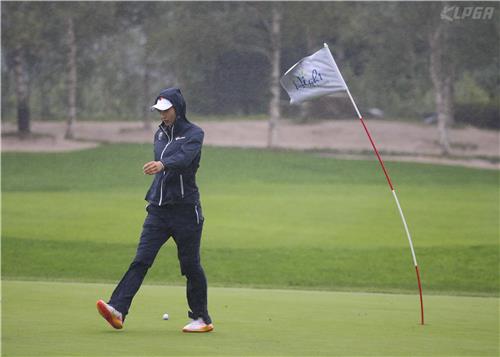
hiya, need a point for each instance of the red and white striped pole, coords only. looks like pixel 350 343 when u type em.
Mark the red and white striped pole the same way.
pixel 390 185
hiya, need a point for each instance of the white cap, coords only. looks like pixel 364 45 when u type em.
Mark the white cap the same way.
pixel 162 104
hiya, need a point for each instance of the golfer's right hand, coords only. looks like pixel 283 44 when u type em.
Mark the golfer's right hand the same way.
pixel 152 167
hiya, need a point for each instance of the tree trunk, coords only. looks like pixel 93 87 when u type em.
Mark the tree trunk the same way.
pixel 22 95
pixel 442 79
pixel 72 79
pixel 274 105
pixel 146 80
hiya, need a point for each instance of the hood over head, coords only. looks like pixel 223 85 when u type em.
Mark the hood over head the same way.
pixel 174 96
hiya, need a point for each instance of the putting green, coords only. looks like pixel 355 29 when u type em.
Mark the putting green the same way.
pixel 55 319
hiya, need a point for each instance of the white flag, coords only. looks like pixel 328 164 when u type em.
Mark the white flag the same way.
pixel 313 76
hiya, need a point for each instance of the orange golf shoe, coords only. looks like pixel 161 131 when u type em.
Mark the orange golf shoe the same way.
pixel 113 316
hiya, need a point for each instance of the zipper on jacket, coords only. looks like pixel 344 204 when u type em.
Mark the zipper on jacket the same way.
pixel 170 137
pixel 161 188
pixel 182 186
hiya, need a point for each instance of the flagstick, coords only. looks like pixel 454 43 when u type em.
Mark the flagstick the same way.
pixel 390 185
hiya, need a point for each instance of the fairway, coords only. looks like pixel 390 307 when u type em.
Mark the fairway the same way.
pixel 272 219
pixel 55 319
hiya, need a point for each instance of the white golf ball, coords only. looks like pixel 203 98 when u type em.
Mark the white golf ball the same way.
pixel 165 316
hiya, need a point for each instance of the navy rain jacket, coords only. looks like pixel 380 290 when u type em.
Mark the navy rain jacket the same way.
pixel 179 149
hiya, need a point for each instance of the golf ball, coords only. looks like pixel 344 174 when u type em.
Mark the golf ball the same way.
pixel 165 316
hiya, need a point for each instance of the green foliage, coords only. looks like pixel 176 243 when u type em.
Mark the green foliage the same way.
pixel 218 53
pixel 467 90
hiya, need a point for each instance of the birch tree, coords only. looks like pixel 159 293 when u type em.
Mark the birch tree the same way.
pixel 442 75
pixel 258 30
pixel 81 25
pixel 417 58
pixel 275 58
pixel 71 77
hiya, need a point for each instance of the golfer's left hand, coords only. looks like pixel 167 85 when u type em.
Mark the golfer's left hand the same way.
pixel 152 167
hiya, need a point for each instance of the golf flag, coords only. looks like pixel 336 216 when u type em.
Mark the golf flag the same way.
pixel 318 75
pixel 313 76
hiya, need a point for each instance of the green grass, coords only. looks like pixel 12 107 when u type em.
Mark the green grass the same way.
pixel 54 319
pixel 461 270
pixel 274 219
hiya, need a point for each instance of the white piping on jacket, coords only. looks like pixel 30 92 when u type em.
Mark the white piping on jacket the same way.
pixel 170 138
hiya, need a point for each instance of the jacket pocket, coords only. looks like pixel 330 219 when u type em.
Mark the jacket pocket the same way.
pixel 199 214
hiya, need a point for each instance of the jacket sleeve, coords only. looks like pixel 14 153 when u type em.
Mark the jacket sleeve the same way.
pixel 186 154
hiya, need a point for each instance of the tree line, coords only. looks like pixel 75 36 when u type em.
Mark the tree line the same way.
pixel 108 60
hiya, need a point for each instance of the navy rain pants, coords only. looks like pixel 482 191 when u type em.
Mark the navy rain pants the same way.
pixel 183 222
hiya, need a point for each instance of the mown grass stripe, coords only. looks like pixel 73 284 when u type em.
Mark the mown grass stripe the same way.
pixel 119 166
pixel 451 269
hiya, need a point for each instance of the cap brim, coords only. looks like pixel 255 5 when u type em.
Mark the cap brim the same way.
pixel 162 105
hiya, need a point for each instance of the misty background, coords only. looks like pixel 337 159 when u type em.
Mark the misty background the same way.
pixel 70 61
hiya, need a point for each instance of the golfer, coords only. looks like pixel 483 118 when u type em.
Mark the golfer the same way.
pixel 174 210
